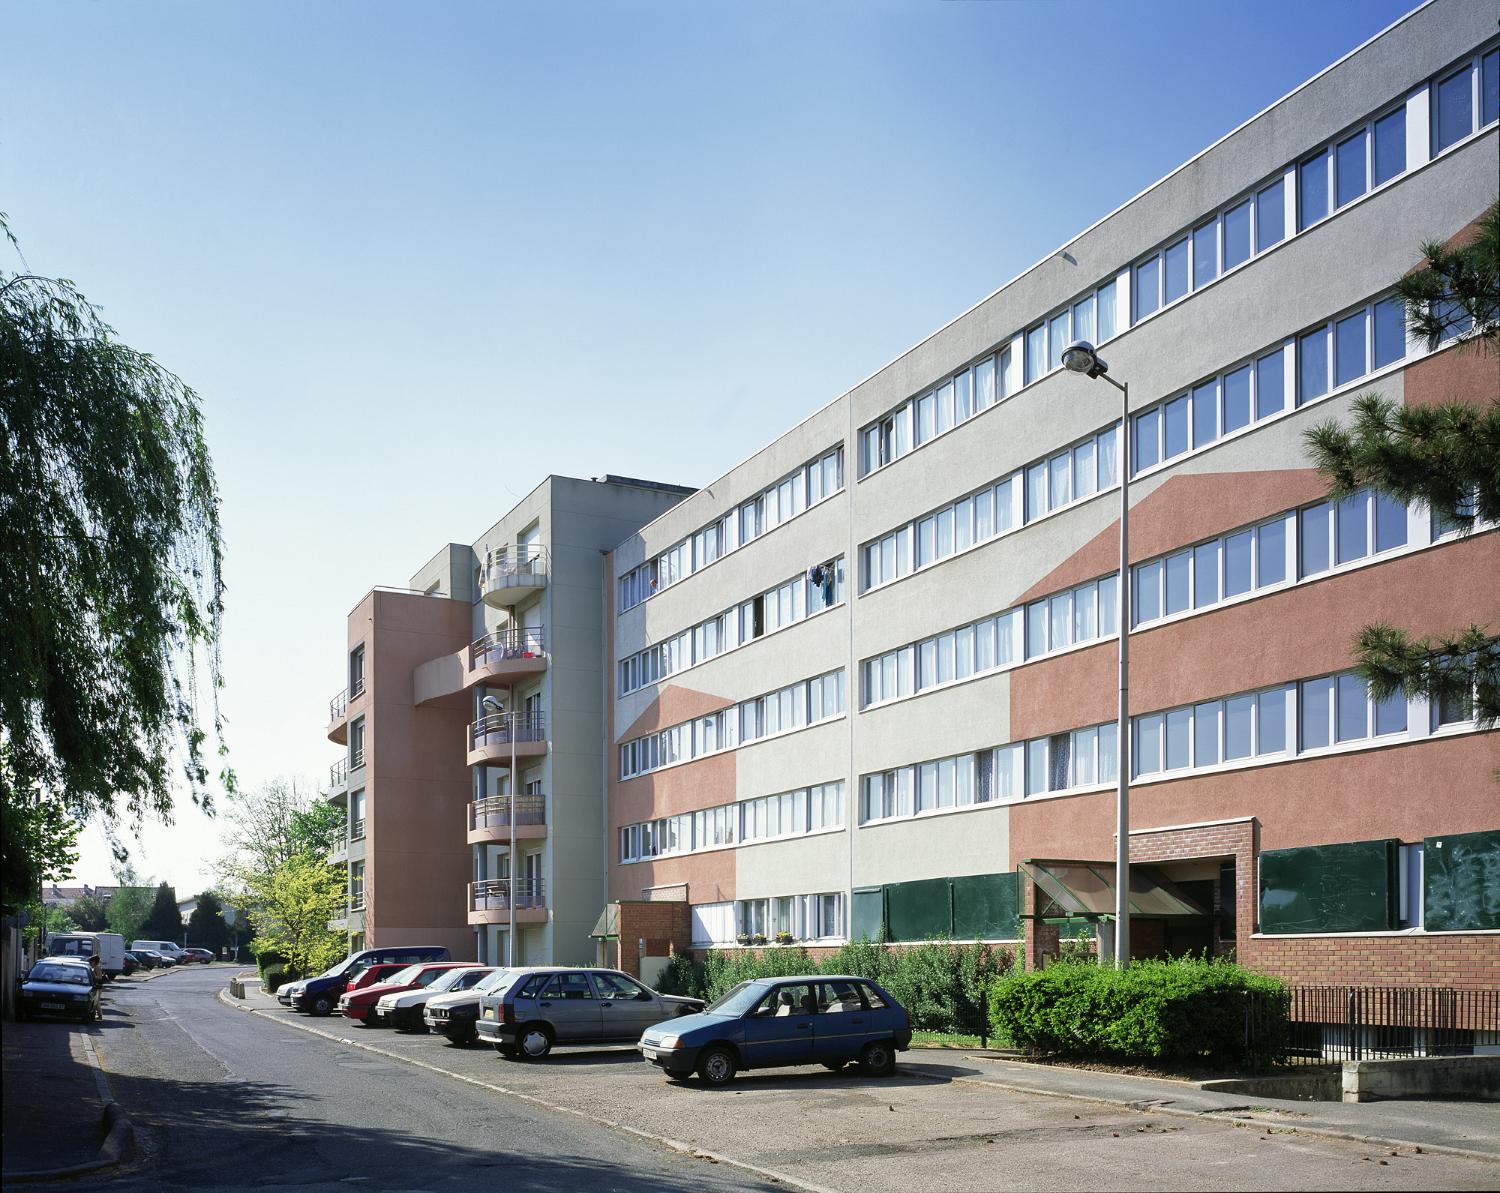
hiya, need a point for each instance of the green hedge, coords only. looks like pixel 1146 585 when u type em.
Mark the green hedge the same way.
pixel 1185 1009
pixel 942 984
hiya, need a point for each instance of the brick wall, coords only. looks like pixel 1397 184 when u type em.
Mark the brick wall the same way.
pixel 666 927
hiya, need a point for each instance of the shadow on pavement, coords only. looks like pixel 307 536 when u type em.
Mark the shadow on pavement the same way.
pixel 51 1109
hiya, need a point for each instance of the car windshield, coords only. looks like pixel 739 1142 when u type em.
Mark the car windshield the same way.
pixel 71 975
pixel 402 977
pixel 498 980
pixel 737 1001
pixel 446 979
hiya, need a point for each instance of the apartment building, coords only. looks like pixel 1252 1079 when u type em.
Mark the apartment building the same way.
pixel 470 725
pixel 864 685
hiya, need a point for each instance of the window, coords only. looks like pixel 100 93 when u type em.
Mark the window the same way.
pixel 1489 89
pixel 1174 273
pixel 1350 169
pixel 1036 353
pixel 1349 348
pixel 1453 119
pixel 1107 311
pixel 1312 191
pixel 1390 146
pixel 1146 292
pixel 1270 216
pixel 1312 365
pixel 356 671
pixel 1237 235
pixel 1205 254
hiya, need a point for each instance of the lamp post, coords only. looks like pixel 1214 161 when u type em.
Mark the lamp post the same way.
pixel 1080 357
pixel 496 705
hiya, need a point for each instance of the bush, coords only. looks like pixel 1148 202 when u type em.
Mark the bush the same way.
pixel 682 976
pixel 272 977
pixel 1184 1009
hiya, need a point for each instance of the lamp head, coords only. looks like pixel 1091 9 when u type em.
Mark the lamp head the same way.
pixel 1080 357
pixel 493 703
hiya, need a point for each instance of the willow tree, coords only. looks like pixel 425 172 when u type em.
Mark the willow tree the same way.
pixel 1445 458
pixel 111 590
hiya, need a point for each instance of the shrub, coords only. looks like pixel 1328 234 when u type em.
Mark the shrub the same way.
pixel 682 976
pixel 272 977
pixel 1184 1009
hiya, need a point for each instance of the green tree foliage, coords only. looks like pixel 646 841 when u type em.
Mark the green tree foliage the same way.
pixel 290 908
pixel 110 574
pixel 206 927
pixel 58 919
pixel 92 913
pixel 38 842
pixel 273 823
pixel 1445 458
pixel 131 903
pixel 164 921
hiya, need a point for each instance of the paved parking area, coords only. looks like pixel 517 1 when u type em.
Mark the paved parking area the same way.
pixel 935 1125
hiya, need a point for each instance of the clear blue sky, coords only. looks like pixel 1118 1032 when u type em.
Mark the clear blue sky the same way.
pixel 415 257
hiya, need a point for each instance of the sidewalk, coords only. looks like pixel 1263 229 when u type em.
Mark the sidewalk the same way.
pixel 53 1113
pixel 1469 1127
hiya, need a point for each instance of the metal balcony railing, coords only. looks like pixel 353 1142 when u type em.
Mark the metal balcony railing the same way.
pixel 356 687
pixel 356 902
pixel 356 757
pixel 496 729
pixel 495 894
pixel 494 812
pixel 338 707
pixel 514 568
pixel 357 829
pixel 515 642
pixel 338 772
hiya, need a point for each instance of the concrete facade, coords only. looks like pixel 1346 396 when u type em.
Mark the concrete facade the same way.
pixel 1203 824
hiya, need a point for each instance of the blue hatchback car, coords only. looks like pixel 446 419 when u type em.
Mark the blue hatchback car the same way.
pixel 773 1022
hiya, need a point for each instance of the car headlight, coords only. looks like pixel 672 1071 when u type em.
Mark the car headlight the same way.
pixel 668 1043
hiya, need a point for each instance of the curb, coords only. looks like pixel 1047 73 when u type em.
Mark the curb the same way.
pixel 118 1146
pixel 674 1145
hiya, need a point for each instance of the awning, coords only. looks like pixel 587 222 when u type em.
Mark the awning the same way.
pixel 1086 890
pixel 607 927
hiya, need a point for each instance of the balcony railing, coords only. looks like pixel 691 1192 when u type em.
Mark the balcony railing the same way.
pixel 338 772
pixel 496 729
pixel 356 757
pixel 495 894
pixel 357 829
pixel 338 707
pixel 356 686
pixel 494 812
pixel 356 902
pixel 515 566
pixel 516 642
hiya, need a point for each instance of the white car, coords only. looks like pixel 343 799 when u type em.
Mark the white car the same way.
pixel 403 1010
pixel 455 1013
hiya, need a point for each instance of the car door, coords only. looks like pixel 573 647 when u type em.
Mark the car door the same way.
pixel 626 1008
pixel 842 1025
pixel 567 1002
pixel 779 1031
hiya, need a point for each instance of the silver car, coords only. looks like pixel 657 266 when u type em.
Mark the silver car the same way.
pixel 548 1005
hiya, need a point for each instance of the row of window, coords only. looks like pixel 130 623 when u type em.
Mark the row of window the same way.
pixel 1351 165
pixel 1028 493
pixel 814 482
pixel 806 702
pixel 759 921
pixel 789 814
pixel 820 587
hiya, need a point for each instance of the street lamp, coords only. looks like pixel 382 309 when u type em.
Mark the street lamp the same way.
pixel 1080 357
pixel 497 706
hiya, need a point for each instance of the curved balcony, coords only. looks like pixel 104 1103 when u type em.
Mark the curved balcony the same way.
pixel 490 737
pixel 338 718
pixel 490 901
pixel 489 819
pixel 338 781
pixel 512 576
pixel 505 656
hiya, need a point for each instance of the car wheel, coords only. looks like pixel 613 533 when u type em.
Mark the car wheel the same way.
pixel 833 1066
pixel 717 1066
pixel 322 1005
pixel 878 1059
pixel 506 1050
pixel 534 1042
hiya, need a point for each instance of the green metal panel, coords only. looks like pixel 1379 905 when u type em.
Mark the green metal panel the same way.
pixel 987 907
pixel 868 919
pixel 1350 887
pixel 1461 882
pixel 919 910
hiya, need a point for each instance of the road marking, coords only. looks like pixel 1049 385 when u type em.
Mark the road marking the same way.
pixel 676 1145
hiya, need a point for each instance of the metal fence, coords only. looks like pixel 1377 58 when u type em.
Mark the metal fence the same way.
pixel 1327 1024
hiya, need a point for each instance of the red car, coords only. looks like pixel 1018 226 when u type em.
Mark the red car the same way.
pixel 357 1004
pixel 200 955
pixel 373 975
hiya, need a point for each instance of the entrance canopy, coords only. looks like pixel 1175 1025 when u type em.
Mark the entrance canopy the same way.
pixel 1086 890
pixel 607 927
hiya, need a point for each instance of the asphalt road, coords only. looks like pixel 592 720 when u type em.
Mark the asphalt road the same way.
pixel 226 1101
pixel 229 1100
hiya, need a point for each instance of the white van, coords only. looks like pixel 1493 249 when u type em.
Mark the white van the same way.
pixel 109 947
pixel 167 948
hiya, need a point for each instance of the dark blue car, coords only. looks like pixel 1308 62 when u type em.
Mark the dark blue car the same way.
pixel 771 1022
pixel 319 995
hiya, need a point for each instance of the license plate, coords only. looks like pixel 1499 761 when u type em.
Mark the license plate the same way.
pixel 648 1053
pixel 54 1006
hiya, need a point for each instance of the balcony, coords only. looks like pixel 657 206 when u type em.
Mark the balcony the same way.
pixel 490 738
pixel 489 819
pixel 505 656
pixel 356 902
pixel 338 717
pixel 512 576
pixel 357 829
pixel 352 921
pixel 356 757
pixel 490 901
pixel 338 781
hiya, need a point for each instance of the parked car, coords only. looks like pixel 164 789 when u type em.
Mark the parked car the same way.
pixel 453 1015
pixel 202 956
pixel 320 995
pixel 549 1005
pixel 158 960
pixel 106 948
pixel 130 964
pixel 373 975
pixel 771 1022
pixel 167 948
pixel 142 958
pixel 403 1010
pixel 360 1004
pixel 60 986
